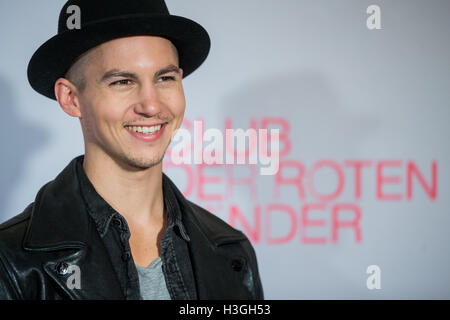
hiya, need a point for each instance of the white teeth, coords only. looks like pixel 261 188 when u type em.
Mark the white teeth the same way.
pixel 145 130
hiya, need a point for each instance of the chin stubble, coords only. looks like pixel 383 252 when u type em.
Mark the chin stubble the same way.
pixel 142 163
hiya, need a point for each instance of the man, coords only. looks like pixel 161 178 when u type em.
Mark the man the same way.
pixel 112 225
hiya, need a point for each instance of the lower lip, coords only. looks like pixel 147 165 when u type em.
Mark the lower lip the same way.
pixel 147 137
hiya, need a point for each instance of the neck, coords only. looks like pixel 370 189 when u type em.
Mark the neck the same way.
pixel 135 194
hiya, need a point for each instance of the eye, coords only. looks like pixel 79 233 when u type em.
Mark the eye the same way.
pixel 123 82
pixel 166 78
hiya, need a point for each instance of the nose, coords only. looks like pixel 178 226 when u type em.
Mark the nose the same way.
pixel 149 104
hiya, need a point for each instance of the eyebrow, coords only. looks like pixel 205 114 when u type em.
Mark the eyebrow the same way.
pixel 168 69
pixel 115 73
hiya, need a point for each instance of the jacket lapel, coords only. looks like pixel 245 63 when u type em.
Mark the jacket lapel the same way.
pixel 215 251
pixel 214 262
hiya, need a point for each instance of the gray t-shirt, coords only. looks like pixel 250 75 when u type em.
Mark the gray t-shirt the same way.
pixel 152 281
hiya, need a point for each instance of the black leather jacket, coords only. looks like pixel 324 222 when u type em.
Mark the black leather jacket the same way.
pixel 55 230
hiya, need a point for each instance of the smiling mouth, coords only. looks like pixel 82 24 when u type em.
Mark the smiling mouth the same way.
pixel 149 130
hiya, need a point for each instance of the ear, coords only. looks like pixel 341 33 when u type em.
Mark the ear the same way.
pixel 66 94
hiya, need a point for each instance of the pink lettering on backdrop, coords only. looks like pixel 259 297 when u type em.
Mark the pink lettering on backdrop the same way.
pixel 293 205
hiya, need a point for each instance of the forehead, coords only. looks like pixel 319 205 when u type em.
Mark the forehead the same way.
pixel 129 52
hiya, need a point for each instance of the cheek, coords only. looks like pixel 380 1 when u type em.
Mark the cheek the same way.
pixel 178 105
pixel 178 112
pixel 88 119
pixel 98 117
pixel 175 105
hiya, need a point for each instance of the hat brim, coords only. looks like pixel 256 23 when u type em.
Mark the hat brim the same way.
pixel 53 59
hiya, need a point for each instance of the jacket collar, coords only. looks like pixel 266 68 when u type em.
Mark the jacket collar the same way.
pixel 213 230
pixel 58 220
pixel 102 213
pixel 60 204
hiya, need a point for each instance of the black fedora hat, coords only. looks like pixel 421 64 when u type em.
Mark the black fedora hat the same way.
pixel 105 20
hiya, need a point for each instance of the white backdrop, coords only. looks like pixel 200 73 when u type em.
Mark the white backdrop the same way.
pixel 340 93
